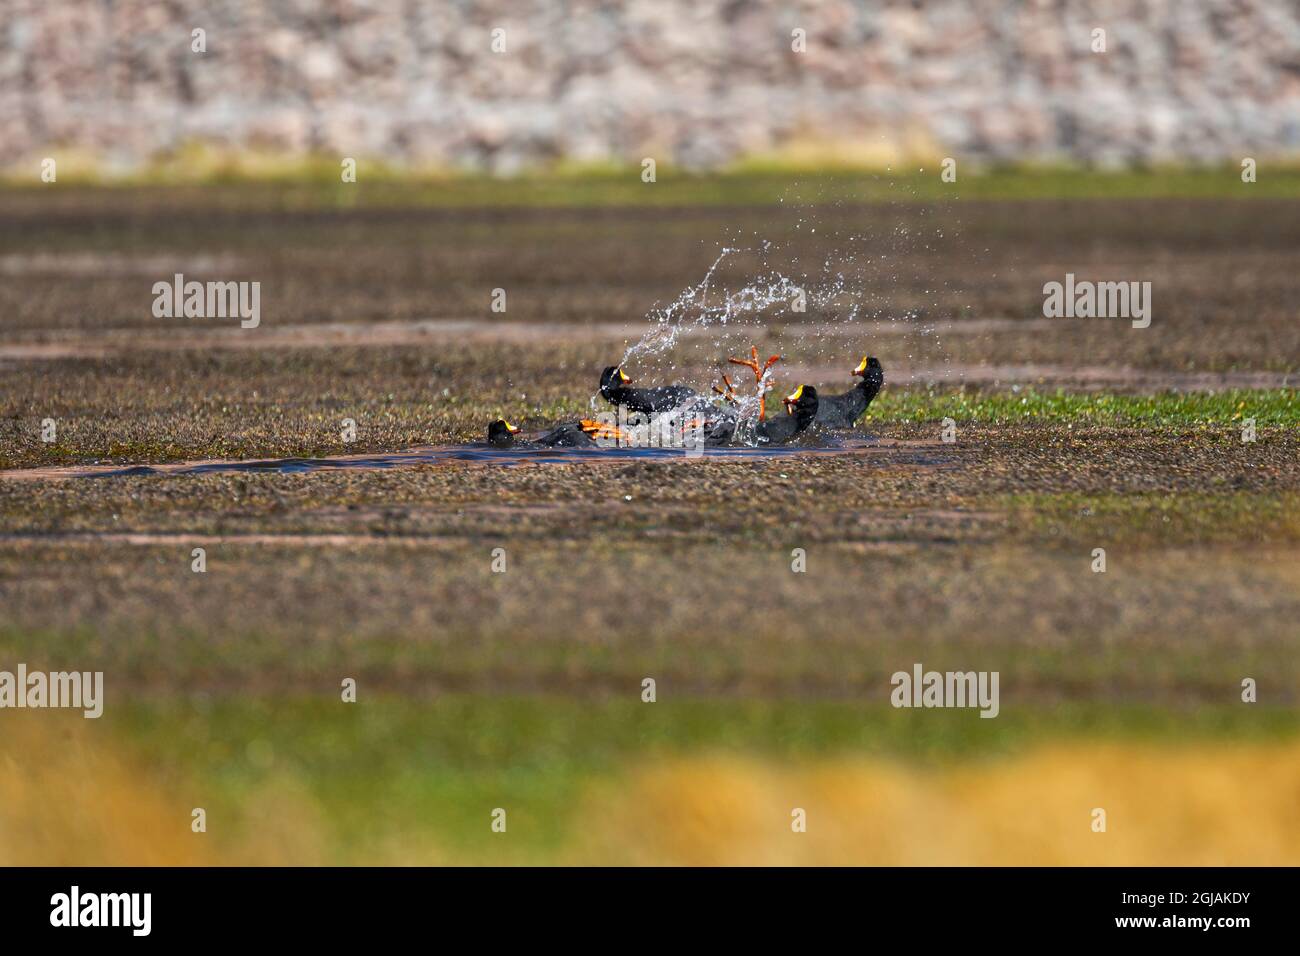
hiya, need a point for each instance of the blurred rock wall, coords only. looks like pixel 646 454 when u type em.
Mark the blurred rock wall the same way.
pixel 696 82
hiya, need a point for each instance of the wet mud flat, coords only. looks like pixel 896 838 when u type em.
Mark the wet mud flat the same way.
pixel 384 316
pixel 926 453
pixel 1224 294
pixel 975 552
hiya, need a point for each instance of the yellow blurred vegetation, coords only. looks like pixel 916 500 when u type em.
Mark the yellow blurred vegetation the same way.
pixel 1164 806
pixel 68 798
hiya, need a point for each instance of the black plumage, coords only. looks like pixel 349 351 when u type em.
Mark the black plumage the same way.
pixel 843 411
pixel 501 434
pixel 647 401
pixel 801 411
pixel 720 424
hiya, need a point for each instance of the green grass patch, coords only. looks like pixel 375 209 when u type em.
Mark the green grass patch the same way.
pixel 1269 407
pixel 316 183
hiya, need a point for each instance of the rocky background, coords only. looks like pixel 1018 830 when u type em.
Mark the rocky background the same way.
pixel 700 83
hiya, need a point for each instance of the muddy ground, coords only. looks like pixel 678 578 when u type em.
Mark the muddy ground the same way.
pixel 383 316
pixel 973 554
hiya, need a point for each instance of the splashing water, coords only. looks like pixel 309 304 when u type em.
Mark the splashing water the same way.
pixel 702 308
pixel 712 322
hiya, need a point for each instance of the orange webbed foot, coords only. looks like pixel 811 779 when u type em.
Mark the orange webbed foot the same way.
pixel 760 374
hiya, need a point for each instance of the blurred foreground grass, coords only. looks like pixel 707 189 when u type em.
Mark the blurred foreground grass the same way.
pixel 397 780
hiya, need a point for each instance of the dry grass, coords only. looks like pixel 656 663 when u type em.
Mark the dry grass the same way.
pixel 84 803
pixel 1181 807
